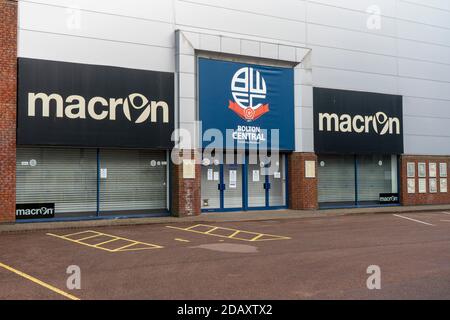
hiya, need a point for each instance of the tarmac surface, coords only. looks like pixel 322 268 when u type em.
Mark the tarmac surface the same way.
pixel 324 257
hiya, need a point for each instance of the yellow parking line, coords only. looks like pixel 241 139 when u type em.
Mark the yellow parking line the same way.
pixel 105 242
pixel 257 235
pixel 76 233
pixel 113 238
pixel 211 230
pixel 234 234
pixel 90 237
pixel 126 246
pixel 39 282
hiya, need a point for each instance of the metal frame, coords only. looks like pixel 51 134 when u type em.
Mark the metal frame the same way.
pixel 245 206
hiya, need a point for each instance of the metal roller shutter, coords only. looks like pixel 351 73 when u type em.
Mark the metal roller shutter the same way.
pixel 336 179
pixel 136 181
pixel 374 177
pixel 66 177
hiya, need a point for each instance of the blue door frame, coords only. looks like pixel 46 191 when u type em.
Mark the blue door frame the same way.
pixel 245 207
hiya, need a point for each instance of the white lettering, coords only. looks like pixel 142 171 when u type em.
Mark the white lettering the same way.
pixel 380 123
pixel 98 108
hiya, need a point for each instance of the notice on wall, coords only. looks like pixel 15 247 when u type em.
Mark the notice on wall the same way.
pixel 310 169
pixel 443 170
pixel 216 176
pixel 422 168
pixel 422 185
pixel 411 169
pixel 233 179
pixel 443 185
pixel 188 169
pixel 103 173
pixel 432 169
pixel 210 174
pixel 433 186
pixel 412 185
pixel 255 175
pixel 277 175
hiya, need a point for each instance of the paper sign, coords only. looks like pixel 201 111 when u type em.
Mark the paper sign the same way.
pixel 216 176
pixel 411 169
pixel 188 169
pixel 277 175
pixel 432 169
pixel 255 175
pixel 443 185
pixel 443 169
pixel 233 177
pixel 433 186
pixel 422 185
pixel 210 174
pixel 310 169
pixel 422 169
pixel 103 173
pixel 412 185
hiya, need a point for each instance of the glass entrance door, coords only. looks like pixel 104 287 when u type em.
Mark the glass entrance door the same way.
pixel 211 187
pixel 256 185
pixel 222 186
pixel 244 186
pixel 232 189
pixel 266 183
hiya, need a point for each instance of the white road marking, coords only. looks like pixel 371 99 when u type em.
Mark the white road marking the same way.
pixel 444 212
pixel 418 221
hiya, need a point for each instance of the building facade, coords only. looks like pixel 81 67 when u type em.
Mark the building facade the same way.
pixel 141 108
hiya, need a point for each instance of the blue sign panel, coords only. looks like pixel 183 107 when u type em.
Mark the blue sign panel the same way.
pixel 248 104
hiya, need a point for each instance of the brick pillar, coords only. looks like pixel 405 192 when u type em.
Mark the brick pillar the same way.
pixel 8 93
pixel 416 198
pixel 302 190
pixel 186 193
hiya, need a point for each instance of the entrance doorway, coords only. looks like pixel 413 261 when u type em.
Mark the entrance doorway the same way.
pixel 244 185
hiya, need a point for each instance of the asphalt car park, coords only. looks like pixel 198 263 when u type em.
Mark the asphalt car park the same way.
pixel 311 258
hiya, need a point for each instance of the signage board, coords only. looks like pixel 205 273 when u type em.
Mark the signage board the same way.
pixel 353 122
pixel 35 211
pixel 247 104
pixel 71 104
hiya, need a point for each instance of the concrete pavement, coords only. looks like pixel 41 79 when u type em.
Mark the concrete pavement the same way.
pixel 218 217
pixel 307 258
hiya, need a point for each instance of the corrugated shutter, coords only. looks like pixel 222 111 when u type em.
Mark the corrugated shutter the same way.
pixel 66 177
pixel 136 180
pixel 374 178
pixel 336 179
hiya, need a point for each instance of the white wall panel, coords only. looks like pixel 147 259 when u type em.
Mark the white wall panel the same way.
pixel 161 10
pixel 387 7
pixel 423 51
pixel 423 33
pixel 47 46
pixel 438 4
pixel 348 19
pixel 409 55
pixel 351 40
pixel 424 70
pixel 426 15
pixel 353 60
pixel 226 20
pixel 53 19
pixel 288 9
pixel 350 80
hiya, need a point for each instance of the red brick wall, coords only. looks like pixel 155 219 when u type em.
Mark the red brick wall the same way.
pixel 8 93
pixel 186 193
pixel 302 191
pixel 409 199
